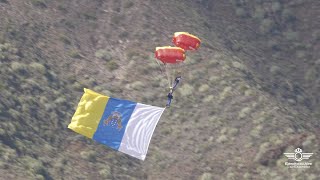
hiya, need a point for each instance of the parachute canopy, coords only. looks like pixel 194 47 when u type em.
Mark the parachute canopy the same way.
pixel 168 54
pixel 186 41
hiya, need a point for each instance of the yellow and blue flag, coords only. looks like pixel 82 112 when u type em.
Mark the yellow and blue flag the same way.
pixel 123 125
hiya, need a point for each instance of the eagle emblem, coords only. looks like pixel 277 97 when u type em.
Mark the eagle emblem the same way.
pixel 298 155
pixel 114 120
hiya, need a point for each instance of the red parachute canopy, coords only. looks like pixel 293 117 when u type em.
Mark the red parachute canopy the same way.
pixel 168 54
pixel 186 41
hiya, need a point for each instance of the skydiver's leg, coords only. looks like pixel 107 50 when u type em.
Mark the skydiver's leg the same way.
pixel 168 102
pixel 169 99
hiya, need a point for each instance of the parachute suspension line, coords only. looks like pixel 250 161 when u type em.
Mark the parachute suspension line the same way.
pixel 168 74
pixel 165 71
pixel 161 67
pixel 173 71
pixel 178 69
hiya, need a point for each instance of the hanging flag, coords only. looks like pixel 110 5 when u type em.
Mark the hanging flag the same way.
pixel 123 125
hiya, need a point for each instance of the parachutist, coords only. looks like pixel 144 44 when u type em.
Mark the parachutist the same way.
pixel 170 97
pixel 173 88
pixel 172 56
pixel 176 82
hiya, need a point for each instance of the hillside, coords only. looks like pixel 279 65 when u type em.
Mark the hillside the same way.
pixel 250 94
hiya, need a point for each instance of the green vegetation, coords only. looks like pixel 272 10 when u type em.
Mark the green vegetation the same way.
pixel 116 19
pixel 90 16
pixel 206 176
pixel 75 54
pixel 251 90
pixel 241 12
pixel 128 4
pixel 186 90
pixel 112 65
pixel 39 3
pixel 37 67
pixel 65 39
pixel 266 26
pixel 103 54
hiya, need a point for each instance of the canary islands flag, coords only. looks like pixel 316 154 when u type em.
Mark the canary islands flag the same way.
pixel 120 124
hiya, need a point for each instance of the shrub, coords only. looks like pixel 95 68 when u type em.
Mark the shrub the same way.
pixel 206 176
pixel 14 113
pixel 241 12
pixel 259 13
pixel 62 8
pixel 128 4
pixel 186 90
pixel 90 16
pixel 38 67
pixel 249 92
pixel 65 39
pixel 7 153
pixel 214 78
pixel 123 34
pixel 244 112
pixel 204 88
pixel 213 63
pixel 311 177
pixel 288 16
pixel 311 75
pixel 316 36
pixel 225 93
pixel 233 131
pixel 223 138
pixel 266 26
pixel 291 35
pixel 262 150
pixel 231 175
pixel 74 54
pixel 276 6
pixel 88 155
pixel 238 65
pixel 137 85
pixel 39 177
pixel 275 69
pixel 60 100
pixel 106 92
pixel 273 44
pixel 39 3
pixel 207 99
pixel 32 164
pixel 301 54
pixel 112 65
pixel 256 131
pixel 105 172
pixel 131 53
pixel 7 47
pixel 32 83
pixel 116 19
pixel 18 67
pixel 103 54
pixel 247 176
